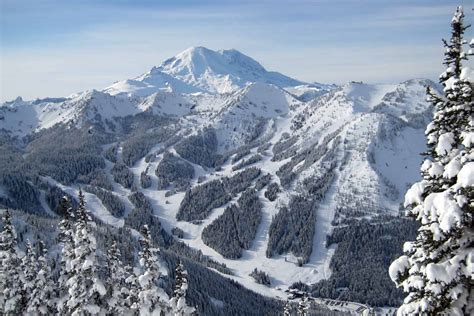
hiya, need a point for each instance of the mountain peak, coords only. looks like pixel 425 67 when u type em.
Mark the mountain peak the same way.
pixel 196 61
pixel 193 54
pixel 89 95
pixel 200 69
pixel 18 100
pixel 196 50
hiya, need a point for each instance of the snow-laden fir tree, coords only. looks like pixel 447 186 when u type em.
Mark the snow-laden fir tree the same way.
pixel 152 299
pixel 42 300
pixel 115 281
pixel 452 110
pixel 66 239
pixel 436 269
pixel 287 309
pixel 132 289
pixel 85 288
pixel 303 305
pixel 11 287
pixel 178 301
pixel 29 267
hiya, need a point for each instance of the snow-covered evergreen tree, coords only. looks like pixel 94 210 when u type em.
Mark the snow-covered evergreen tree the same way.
pixel 11 287
pixel 437 268
pixel 85 288
pixel 287 309
pixel 303 305
pixel 452 110
pixel 115 281
pixel 42 300
pixel 29 267
pixel 153 300
pixel 66 238
pixel 178 301
pixel 132 290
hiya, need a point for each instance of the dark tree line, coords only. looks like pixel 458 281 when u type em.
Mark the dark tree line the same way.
pixel 200 149
pixel 239 155
pixel 263 181
pixel 145 179
pixel 138 146
pixel 111 202
pixel 287 172
pixel 122 175
pixel 199 201
pixel 360 263
pixel 247 162
pixel 235 229
pixel 272 191
pixel 97 178
pixel 73 152
pixel 292 229
pixel 284 147
pixel 142 214
pixel 175 171
pixel 261 277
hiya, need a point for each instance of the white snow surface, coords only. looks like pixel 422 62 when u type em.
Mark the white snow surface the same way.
pixel 22 118
pixel 397 266
pixel 466 175
pixel 308 92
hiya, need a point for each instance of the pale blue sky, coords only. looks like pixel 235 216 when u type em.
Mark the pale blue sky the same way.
pixel 58 47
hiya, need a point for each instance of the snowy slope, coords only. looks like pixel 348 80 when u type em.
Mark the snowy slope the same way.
pixel 408 101
pixel 373 167
pixel 365 96
pixel 247 110
pixel 21 118
pixel 380 142
pixel 308 92
pixel 167 103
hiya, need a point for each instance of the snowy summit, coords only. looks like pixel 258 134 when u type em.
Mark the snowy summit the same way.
pixel 199 69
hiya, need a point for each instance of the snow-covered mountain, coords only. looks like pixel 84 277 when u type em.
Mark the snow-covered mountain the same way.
pixel 199 69
pixel 206 133
pixel 307 92
pixel 21 118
